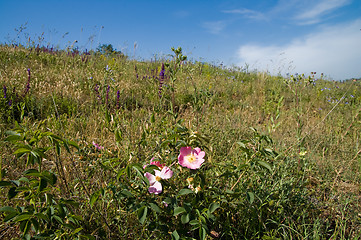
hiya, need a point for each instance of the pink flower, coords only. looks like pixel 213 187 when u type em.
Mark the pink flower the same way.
pixel 156 163
pixel 154 180
pixel 191 158
pixel 97 146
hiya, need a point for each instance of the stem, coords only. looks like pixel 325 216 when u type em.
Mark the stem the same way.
pixel 239 178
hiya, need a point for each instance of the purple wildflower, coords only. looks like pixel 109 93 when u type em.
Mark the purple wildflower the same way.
pixel 96 89
pixel 118 96
pixel 4 88
pixel 161 80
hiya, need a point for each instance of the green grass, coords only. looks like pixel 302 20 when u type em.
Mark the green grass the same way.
pixel 282 155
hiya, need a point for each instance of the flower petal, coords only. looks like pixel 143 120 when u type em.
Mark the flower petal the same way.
pixel 150 177
pixel 157 173
pixel 156 188
pixel 196 164
pixel 200 154
pixel 166 173
pixel 184 151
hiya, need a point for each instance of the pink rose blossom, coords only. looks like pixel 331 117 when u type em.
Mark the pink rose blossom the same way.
pixel 154 180
pixel 191 158
pixel 156 163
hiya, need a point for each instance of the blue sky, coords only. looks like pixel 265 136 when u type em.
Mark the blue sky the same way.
pixel 278 36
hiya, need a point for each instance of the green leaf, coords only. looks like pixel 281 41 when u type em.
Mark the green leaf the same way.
pixel 35 224
pixel 241 144
pixel 12 193
pixel 194 222
pixel 23 179
pixel 32 172
pixel 5 183
pixel 58 219
pixel 27 227
pixel 70 202
pixel 74 144
pixel 58 149
pixel 184 191
pixel 43 184
pixel 155 207
pixel 22 217
pixel 22 151
pixel 185 218
pixel 42 217
pixel 178 210
pixel 94 197
pixel 121 173
pixel 87 236
pixel 175 235
pixel 126 193
pixel 8 209
pixel 265 165
pixel 142 214
pixel 49 176
pixel 202 233
pixel 15 182
pixel 10 216
pixel 118 135
pixel 66 145
pixel 13 138
pixel 213 207
pixel 77 230
pixel 250 197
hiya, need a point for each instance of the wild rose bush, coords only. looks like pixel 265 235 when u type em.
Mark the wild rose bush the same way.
pixel 180 193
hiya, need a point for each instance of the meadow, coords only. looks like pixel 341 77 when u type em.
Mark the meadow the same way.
pixel 95 145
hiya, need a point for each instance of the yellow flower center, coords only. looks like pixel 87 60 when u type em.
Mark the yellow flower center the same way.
pixel 191 158
pixel 157 178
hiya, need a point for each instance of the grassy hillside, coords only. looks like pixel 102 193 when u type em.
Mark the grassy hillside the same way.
pixel 282 155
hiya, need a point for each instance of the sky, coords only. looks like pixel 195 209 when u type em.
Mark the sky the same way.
pixel 275 36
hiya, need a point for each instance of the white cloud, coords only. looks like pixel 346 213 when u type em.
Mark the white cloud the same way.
pixel 247 13
pixel 335 51
pixel 321 8
pixel 214 27
pixel 307 12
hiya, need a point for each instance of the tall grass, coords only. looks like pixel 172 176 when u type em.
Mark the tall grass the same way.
pixel 282 153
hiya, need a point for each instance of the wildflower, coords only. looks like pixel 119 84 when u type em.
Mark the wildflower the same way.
pixel 154 180
pixel 161 80
pixel 96 89
pixel 303 153
pixel 4 88
pixel 197 189
pixel 156 163
pixel 189 181
pixel 191 158
pixel 97 146
pixel 118 96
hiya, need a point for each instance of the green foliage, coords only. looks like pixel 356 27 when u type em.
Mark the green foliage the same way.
pixel 282 154
pixel 41 213
pixel 108 50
